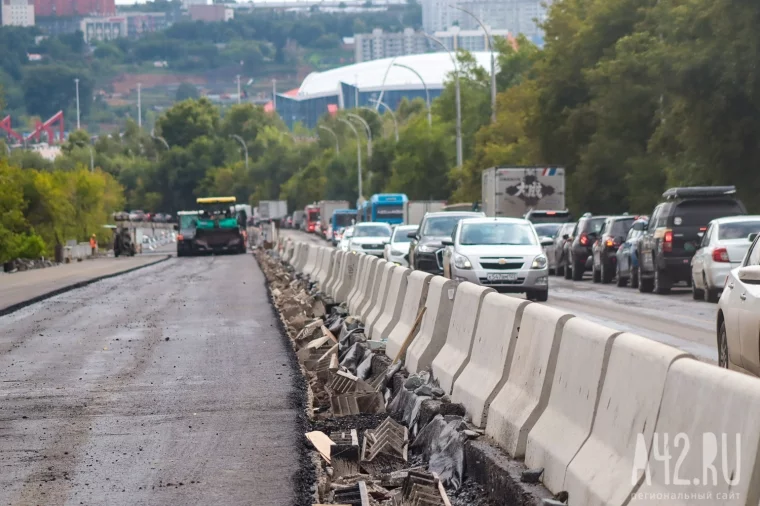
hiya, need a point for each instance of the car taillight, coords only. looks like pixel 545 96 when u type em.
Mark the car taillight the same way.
pixel 584 240
pixel 720 255
pixel 180 237
pixel 667 242
pixel 610 243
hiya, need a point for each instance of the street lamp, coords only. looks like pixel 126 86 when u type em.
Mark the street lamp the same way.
pixel 424 85
pixel 245 148
pixel 489 38
pixel 382 86
pixel 393 115
pixel 92 160
pixel 139 105
pixel 458 96
pixel 337 144
pixel 367 128
pixel 358 154
pixel 76 83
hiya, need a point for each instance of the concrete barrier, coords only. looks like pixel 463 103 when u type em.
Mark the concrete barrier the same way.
pixel 455 353
pixel 566 422
pixel 435 324
pixel 415 298
pixel 392 307
pixel 311 259
pixel 300 261
pixel 347 280
pixel 317 263
pixel 491 357
pixel 296 255
pixel 365 291
pixel 518 405
pixel 361 273
pixel 335 273
pixel 385 280
pixel 327 265
pixel 717 413
pixel 604 471
pixel 373 290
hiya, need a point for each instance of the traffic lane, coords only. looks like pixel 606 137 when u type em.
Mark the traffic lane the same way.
pixel 675 319
pixel 298 235
pixel 170 385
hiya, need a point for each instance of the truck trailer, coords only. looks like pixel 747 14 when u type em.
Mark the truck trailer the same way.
pixel 326 210
pixel 514 191
pixel 416 210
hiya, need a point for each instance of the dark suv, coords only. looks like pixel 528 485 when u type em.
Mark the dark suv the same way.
pixel 578 245
pixel 604 251
pixel 426 247
pixel 675 231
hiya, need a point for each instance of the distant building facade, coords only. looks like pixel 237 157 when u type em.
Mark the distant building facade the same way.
pixel 17 13
pixel 139 23
pixel 187 3
pixel 211 13
pixel 516 16
pixel 470 40
pixel 66 8
pixel 106 28
pixel 380 44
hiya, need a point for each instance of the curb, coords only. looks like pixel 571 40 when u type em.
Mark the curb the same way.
pixel 20 305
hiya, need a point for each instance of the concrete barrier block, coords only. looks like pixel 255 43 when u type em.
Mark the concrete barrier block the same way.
pixel 348 278
pixel 603 471
pixel 382 294
pixel 360 273
pixel 393 304
pixel 435 324
pixel 366 289
pixel 414 299
pixel 566 422
pixel 370 264
pixel 317 263
pixel 717 413
pixel 373 287
pixel 300 256
pixel 311 259
pixel 491 357
pixel 335 273
pixel 518 405
pixel 455 354
pixel 327 266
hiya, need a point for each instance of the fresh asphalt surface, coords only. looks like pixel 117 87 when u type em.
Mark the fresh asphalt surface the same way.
pixel 169 385
pixel 673 319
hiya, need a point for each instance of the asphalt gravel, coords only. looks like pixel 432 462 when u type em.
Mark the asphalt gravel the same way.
pixel 170 385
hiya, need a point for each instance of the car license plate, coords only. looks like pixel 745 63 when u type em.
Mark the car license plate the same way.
pixel 501 277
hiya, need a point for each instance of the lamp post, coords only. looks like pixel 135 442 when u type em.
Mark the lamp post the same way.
pixel 424 85
pixel 139 105
pixel 358 154
pixel 458 96
pixel 367 128
pixel 393 115
pixel 92 160
pixel 76 84
pixel 489 38
pixel 245 148
pixel 337 144
pixel 385 76
pixel 238 87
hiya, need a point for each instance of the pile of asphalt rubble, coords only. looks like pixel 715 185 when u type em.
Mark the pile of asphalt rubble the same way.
pixel 379 436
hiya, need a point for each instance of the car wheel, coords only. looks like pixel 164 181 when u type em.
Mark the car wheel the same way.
pixel 538 296
pixel 723 347
pixel 696 293
pixel 596 274
pixel 711 294
pixel 634 273
pixel 645 285
pixel 661 282
pixel 560 270
pixel 621 281
pixel 606 274
pixel 578 269
pixel 568 270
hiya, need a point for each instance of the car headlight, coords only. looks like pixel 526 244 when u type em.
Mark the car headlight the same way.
pixel 539 262
pixel 427 248
pixel 462 262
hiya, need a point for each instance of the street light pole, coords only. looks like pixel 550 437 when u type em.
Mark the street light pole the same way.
pixel 424 85
pixel 274 94
pixel 382 86
pixel 358 155
pixel 76 83
pixel 139 105
pixel 238 87
pixel 393 115
pixel 367 128
pixel 337 144
pixel 489 38
pixel 245 148
pixel 458 96
pixel 92 160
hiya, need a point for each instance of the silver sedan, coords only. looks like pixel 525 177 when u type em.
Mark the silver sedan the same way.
pixel 502 253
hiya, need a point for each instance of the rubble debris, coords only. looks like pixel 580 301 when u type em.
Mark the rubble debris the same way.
pixel 344 455
pixel 326 364
pixel 442 445
pixel 321 442
pixel 356 403
pixel 343 382
pixel 385 448
pixel 356 495
pixel 423 489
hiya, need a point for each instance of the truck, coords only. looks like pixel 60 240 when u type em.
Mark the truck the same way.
pixel 310 219
pixel 387 208
pixel 218 227
pixel 298 217
pixel 326 209
pixel 272 209
pixel 341 219
pixel 514 191
pixel 416 210
pixel 186 221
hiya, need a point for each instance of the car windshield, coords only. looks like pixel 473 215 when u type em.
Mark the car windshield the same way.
pixel 372 231
pixel 442 226
pixel 548 229
pixel 344 219
pixel 497 234
pixel 187 221
pixel 593 225
pixel 739 230
pixel 401 235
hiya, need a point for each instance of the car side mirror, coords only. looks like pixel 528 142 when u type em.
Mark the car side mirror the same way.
pixel 447 242
pixel 750 275
pixel 752 237
pixel 566 237
pixel 412 235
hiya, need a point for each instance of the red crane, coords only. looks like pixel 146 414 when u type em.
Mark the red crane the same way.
pixel 47 127
pixel 5 124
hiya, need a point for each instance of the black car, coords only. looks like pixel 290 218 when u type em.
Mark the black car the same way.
pixel 426 247
pixel 604 251
pixel 675 231
pixel 578 245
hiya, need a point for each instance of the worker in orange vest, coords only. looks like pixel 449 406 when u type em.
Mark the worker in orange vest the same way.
pixel 93 244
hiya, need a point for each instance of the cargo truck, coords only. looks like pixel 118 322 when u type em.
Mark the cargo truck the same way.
pixel 326 210
pixel 272 209
pixel 514 191
pixel 341 219
pixel 416 210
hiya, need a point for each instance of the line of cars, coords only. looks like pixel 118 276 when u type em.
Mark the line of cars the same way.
pixel 142 216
